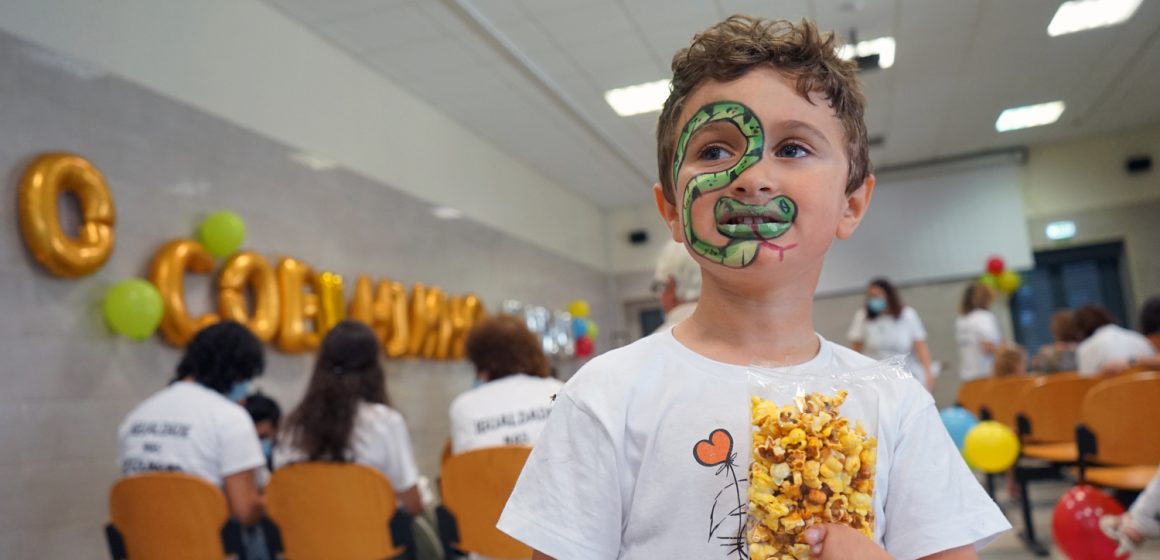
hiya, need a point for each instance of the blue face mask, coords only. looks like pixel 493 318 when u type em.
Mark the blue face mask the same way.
pixel 239 391
pixel 876 304
pixel 267 447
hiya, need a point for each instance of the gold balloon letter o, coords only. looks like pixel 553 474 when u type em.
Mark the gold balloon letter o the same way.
pixel 45 180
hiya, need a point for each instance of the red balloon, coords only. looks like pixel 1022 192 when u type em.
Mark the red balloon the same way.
pixel 584 347
pixel 1075 525
pixel 996 266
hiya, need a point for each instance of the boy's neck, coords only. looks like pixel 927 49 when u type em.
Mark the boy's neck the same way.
pixel 773 328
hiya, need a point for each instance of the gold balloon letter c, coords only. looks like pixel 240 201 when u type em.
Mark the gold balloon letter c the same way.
pixel 46 179
pixel 167 272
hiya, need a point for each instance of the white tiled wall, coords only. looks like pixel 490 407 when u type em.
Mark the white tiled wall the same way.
pixel 66 382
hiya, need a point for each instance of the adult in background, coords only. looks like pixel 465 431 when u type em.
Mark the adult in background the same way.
pixel 976 332
pixel 1150 320
pixel 1105 342
pixel 510 406
pixel 1060 354
pixel 677 284
pixel 886 327
pixel 345 417
pixel 196 426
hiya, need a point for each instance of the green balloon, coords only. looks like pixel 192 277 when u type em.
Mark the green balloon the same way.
pixel 133 308
pixel 989 281
pixel 222 233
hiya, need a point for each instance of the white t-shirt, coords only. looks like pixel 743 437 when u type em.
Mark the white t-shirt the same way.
pixel 885 336
pixel 379 439
pixel 971 330
pixel 507 411
pixel 615 475
pixel 188 427
pixel 676 315
pixel 1109 343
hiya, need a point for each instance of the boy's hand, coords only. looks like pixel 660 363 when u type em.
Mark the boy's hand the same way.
pixel 839 542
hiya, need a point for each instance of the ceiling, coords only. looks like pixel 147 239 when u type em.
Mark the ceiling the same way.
pixel 529 75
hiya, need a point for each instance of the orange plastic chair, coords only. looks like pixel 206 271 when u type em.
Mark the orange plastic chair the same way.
pixel 1001 398
pixel 1120 416
pixel 475 486
pixel 972 394
pixel 332 510
pixel 170 516
pixel 1049 410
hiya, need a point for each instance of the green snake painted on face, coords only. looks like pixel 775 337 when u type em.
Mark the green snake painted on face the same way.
pixel 746 236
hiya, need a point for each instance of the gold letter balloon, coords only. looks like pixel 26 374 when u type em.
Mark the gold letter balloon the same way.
pixel 297 307
pixel 167 272
pixel 49 176
pixel 248 269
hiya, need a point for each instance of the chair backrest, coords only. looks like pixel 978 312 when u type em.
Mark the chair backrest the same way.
pixel 446 453
pixel 1002 397
pixel 1051 404
pixel 475 486
pixel 972 393
pixel 332 510
pixel 169 516
pixel 1123 413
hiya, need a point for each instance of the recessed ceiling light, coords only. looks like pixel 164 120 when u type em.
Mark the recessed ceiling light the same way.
pixel 1081 15
pixel 447 213
pixel 638 99
pixel 317 163
pixel 1058 231
pixel 882 46
pixel 1028 116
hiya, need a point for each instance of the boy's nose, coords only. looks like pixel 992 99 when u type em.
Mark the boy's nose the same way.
pixel 751 186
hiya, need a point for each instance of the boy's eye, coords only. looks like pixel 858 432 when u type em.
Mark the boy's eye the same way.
pixel 791 151
pixel 714 153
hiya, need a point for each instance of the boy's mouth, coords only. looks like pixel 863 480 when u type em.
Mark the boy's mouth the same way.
pixel 738 220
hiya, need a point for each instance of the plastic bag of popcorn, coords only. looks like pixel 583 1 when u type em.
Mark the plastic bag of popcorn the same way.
pixel 814 451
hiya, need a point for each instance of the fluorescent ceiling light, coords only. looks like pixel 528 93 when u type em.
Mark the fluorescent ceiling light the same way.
pixel 882 46
pixel 317 163
pixel 447 213
pixel 1029 116
pixel 641 98
pixel 1058 231
pixel 1081 15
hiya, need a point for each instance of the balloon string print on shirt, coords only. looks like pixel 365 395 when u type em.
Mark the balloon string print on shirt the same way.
pixel 717 451
pixel 747 226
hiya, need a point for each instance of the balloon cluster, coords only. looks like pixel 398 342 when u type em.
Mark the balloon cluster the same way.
pixel 135 307
pixel 563 334
pixel 999 278
pixel 987 446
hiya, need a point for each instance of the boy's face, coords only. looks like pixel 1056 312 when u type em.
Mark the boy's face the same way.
pixel 760 176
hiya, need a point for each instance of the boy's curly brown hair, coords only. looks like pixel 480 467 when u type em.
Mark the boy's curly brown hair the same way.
pixel 502 345
pixel 738 44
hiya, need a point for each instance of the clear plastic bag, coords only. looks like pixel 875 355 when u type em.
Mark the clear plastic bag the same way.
pixel 815 443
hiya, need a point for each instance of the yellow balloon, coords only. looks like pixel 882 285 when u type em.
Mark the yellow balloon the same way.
pixel 46 178
pixel 1008 281
pixel 297 307
pixel 579 308
pixel 991 447
pixel 248 269
pixel 167 271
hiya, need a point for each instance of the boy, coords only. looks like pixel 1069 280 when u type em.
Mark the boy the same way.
pixel 763 161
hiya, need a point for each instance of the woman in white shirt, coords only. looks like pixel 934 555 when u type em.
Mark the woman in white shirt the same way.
pixel 885 327
pixel 344 415
pixel 1105 342
pixel 976 333
pixel 510 406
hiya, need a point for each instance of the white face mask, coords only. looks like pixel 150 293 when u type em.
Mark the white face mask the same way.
pixel 239 391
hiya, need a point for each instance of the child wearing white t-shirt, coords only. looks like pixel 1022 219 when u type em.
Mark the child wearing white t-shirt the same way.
pixel 344 415
pixel 763 162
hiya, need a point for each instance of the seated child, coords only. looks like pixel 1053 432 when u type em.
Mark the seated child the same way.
pixel 763 159
pixel 1010 359
pixel 266 414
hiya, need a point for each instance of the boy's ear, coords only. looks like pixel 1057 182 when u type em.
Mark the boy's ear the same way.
pixel 856 205
pixel 669 213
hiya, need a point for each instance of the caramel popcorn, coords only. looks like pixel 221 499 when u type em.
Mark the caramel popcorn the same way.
pixel 809 466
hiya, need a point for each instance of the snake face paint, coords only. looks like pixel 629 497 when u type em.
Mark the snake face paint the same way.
pixel 748 227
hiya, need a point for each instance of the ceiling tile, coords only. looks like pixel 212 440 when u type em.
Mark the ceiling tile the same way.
pixel 379 30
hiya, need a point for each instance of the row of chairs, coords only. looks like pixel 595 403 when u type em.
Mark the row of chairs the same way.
pixel 322 510
pixel 1102 429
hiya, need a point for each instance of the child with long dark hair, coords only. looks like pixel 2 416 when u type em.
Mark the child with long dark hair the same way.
pixel 344 415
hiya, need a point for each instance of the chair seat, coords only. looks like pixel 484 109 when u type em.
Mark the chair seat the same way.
pixel 1124 478
pixel 1054 452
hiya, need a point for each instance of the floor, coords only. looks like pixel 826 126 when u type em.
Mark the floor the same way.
pixel 1044 496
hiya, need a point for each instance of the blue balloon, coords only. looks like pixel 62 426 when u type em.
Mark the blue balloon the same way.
pixel 579 327
pixel 958 422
